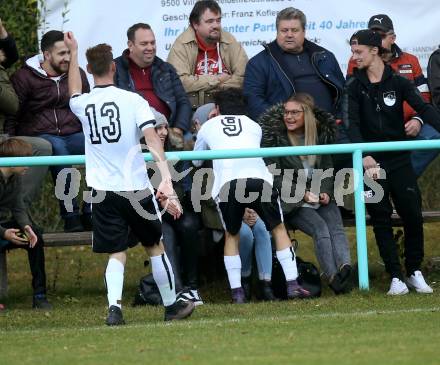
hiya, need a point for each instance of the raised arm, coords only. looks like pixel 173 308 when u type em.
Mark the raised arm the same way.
pixel 74 77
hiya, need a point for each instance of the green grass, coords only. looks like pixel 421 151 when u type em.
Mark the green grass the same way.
pixel 360 328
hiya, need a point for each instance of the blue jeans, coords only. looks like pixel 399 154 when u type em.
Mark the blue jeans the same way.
pixel 258 235
pixel 72 144
pixel 421 159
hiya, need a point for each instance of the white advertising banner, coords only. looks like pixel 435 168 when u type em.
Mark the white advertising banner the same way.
pixel 330 23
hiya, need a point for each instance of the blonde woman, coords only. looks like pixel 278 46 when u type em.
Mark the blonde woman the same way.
pixel 298 123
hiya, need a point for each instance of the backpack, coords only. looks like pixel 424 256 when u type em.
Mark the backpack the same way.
pixel 148 292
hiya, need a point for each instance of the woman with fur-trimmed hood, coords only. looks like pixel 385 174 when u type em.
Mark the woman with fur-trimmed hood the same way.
pixel 306 191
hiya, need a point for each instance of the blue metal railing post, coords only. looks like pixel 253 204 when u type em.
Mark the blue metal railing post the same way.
pixel 361 229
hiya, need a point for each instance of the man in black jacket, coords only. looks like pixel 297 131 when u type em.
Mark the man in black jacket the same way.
pixel 373 112
pixel 18 231
pixel 138 69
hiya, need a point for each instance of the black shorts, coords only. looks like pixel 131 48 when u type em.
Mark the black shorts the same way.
pixel 117 225
pixel 256 194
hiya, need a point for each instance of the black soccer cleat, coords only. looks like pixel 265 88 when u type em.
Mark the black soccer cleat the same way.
pixel 179 310
pixel 296 291
pixel 238 296
pixel 114 317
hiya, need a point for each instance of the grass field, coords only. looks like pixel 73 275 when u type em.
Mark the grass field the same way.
pixel 360 328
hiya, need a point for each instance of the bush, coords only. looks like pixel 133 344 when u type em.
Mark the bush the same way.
pixel 21 19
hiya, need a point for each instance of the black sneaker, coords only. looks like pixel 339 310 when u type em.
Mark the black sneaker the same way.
pixel 73 224
pixel 246 284
pixel 296 291
pixel 336 285
pixel 180 309
pixel 114 317
pixel 266 293
pixel 41 302
pixel 238 296
pixel 346 278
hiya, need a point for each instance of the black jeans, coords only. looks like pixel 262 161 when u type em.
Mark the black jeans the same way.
pixel 35 257
pixel 186 235
pixel 401 186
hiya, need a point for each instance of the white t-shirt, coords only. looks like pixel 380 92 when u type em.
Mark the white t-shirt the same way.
pixel 232 132
pixel 112 121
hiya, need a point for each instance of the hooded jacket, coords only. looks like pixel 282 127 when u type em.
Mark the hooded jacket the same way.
pixel 166 85
pixel 275 135
pixel 43 103
pixel 374 112
pixel 266 83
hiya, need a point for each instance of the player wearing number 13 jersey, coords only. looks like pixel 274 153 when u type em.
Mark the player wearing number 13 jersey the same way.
pixel 112 122
pixel 241 183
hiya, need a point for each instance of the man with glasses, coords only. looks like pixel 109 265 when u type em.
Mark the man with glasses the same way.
pixel 206 57
pixel 408 66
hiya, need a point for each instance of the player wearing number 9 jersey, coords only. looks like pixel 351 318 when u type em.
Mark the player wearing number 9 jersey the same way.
pixel 113 120
pixel 244 182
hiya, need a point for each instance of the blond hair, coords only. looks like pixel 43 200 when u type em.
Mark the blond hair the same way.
pixel 310 124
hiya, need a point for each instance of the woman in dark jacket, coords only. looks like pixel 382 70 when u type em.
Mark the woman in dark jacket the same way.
pixel 306 192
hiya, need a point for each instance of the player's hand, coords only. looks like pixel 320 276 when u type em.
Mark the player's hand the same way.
pixel 371 167
pixel 31 235
pixel 412 127
pixel 11 236
pixel 324 199
pixel 173 207
pixel 311 198
pixel 70 41
pixel 165 190
pixel 2 56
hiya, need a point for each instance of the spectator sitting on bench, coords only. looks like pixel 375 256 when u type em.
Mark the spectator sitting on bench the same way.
pixel 18 232
pixel 182 231
pixel 41 87
pixel 300 123
pixel 9 104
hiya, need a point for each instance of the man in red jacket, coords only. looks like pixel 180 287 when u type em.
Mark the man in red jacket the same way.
pixel 408 66
pixel 42 90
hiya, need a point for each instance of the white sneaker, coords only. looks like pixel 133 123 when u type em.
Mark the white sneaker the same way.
pixel 397 287
pixel 417 282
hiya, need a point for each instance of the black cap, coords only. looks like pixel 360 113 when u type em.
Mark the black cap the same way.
pixel 380 22
pixel 366 37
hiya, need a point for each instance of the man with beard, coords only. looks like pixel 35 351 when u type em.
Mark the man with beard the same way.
pixel 42 90
pixel 206 57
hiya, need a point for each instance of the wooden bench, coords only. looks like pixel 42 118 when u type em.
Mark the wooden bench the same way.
pixel 61 239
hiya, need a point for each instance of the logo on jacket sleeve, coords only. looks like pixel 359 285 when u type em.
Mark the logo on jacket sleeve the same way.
pixel 389 98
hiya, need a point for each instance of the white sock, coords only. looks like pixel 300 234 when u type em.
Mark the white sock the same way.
pixel 114 279
pixel 287 260
pixel 164 277
pixel 233 268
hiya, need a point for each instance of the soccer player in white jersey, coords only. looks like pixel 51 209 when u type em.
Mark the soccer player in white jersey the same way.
pixel 112 121
pixel 241 183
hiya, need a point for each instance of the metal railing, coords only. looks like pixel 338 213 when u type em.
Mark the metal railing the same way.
pixel 356 149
